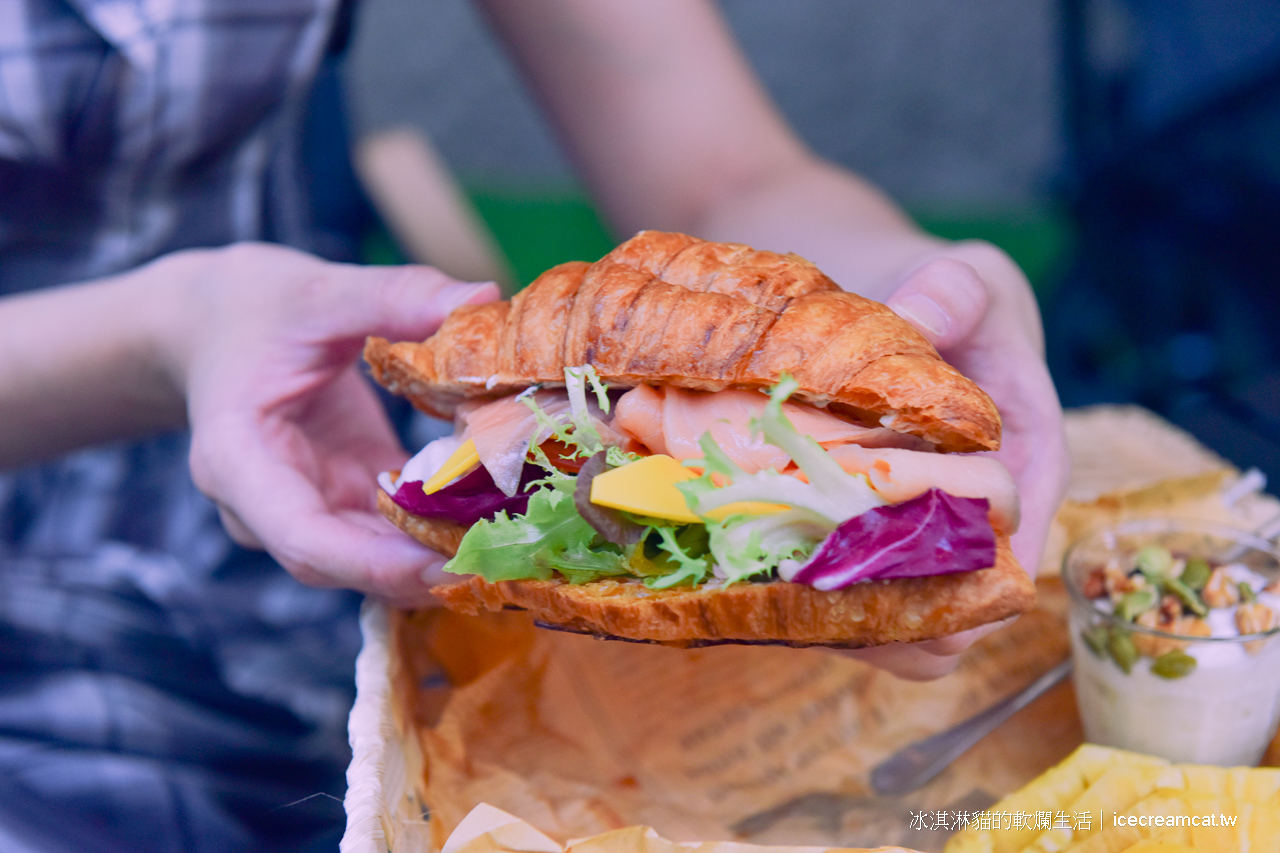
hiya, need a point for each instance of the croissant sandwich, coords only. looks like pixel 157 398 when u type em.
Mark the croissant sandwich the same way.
pixel 693 443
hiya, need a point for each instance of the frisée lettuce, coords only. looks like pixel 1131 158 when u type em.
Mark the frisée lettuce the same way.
pixel 552 536
pixel 745 546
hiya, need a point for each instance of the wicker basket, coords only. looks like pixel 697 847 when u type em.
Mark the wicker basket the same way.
pixel 383 803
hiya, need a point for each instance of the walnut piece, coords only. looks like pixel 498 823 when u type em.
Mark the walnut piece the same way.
pixel 1254 618
pixel 1154 647
pixel 1118 582
pixel 1220 590
pixel 1095 584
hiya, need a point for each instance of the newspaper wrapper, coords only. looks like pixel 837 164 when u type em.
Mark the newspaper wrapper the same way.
pixel 755 745
pixel 489 830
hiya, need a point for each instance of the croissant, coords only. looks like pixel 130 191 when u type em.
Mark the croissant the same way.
pixel 773 613
pixel 665 308
pixel 670 309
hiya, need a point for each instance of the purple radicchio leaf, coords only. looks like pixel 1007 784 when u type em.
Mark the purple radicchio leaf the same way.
pixel 932 534
pixel 469 499
pixel 609 523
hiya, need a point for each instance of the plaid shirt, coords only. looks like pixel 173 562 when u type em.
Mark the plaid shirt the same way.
pixel 160 689
pixel 130 128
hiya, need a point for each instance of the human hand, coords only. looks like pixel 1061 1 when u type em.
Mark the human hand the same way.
pixel 973 303
pixel 287 435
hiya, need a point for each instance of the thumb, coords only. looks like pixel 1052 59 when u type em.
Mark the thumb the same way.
pixel 944 299
pixel 402 303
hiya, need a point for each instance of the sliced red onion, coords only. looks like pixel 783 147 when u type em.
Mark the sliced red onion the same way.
pixel 933 534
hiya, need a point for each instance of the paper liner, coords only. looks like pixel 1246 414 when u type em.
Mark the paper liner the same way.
pixel 532 727
pixel 486 829
pixel 582 738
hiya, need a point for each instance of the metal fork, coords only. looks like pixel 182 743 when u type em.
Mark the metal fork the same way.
pixel 917 763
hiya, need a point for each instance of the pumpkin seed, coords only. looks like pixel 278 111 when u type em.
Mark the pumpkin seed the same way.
pixel 1135 603
pixel 1174 664
pixel 1095 637
pixel 1188 596
pixel 1122 650
pixel 1196 573
pixel 1155 562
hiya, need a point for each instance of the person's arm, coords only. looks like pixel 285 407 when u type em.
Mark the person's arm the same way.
pixel 672 131
pixel 79 365
pixel 425 209
pixel 255 346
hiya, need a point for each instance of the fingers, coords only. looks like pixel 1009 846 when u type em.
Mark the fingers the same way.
pixel 267 323
pixel 272 499
pixel 906 661
pixel 278 508
pixel 944 299
pixel 927 660
pixel 237 529
pixel 400 303
pixel 284 431
pixel 978 310
pixel 341 550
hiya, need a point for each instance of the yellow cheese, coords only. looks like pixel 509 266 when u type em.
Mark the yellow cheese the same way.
pixel 463 460
pixel 648 487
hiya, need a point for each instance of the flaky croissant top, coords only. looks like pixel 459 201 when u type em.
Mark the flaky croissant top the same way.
pixel 665 308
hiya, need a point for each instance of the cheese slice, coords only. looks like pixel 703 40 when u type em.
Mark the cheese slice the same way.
pixel 460 462
pixel 648 487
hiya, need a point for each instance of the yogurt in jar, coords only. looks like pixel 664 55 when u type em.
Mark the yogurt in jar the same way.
pixel 1214 699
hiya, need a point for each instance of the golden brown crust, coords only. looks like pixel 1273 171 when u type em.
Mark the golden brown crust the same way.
pixel 667 308
pixel 865 614
pixel 438 534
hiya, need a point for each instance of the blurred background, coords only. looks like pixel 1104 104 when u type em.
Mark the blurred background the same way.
pixel 951 107
pixel 1125 152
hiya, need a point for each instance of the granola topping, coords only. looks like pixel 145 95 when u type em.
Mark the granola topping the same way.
pixel 1187 597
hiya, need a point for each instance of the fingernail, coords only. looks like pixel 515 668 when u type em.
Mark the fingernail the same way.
pixel 454 295
pixel 434 574
pixel 922 312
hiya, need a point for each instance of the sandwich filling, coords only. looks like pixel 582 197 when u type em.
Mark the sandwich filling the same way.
pixel 679 487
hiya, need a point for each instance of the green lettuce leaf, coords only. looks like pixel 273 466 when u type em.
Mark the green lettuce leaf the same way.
pixel 550 535
pixel 689 569
pixel 582 563
pixel 553 537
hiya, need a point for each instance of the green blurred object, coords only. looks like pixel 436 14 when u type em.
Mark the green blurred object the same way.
pixel 377 246
pixel 535 228
pixel 539 227
pixel 1037 239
